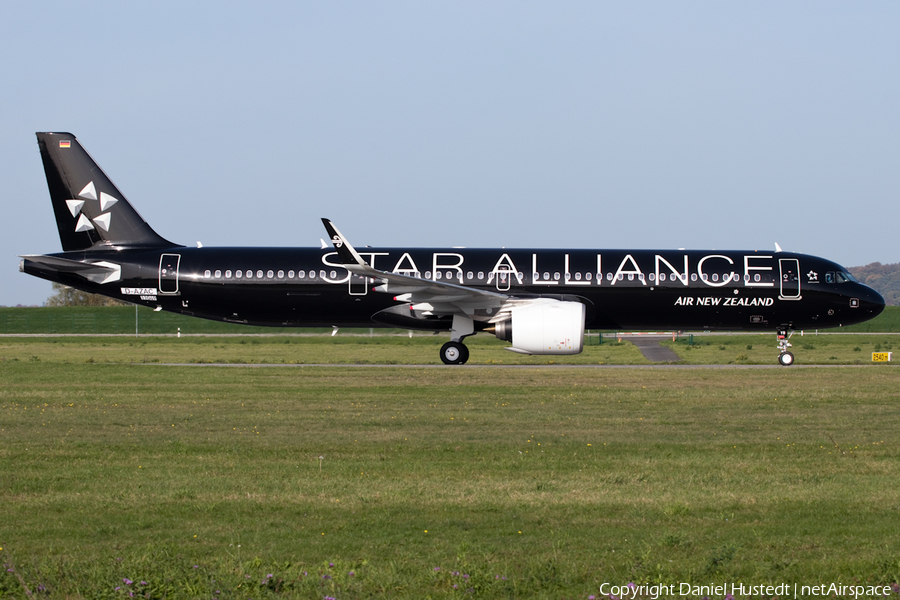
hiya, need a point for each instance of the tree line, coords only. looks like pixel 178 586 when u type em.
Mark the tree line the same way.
pixel 64 295
pixel 884 279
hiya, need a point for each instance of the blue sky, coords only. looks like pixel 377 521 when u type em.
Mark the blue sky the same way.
pixel 519 124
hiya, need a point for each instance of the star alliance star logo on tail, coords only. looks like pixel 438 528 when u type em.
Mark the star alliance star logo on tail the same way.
pixel 89 192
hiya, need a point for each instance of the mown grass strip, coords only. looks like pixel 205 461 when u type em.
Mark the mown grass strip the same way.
pixel 756 349
pixel 125 320
pixel 533 483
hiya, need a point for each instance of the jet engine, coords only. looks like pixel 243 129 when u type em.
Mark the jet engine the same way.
pixel 544 326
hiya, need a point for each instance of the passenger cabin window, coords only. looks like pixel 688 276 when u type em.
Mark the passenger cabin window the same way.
pixel 207 274
pixel 587 276
pixel 480 275
pixel 238 274
pixel 301 274
pixel 291 274
pixel 228 274
pixel 218 274
pixel 280 274
pixel 470 275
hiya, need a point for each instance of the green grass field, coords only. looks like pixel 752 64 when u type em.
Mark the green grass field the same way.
pixel 121 320
pixel 415 482
pixel 758 349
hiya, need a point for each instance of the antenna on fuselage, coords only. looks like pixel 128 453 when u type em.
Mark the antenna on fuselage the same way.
pixel 778 248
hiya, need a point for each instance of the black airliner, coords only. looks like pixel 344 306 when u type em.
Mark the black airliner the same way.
pixel 538 300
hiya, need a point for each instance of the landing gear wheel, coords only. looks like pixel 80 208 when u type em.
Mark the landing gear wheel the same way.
pixel 786 359
pixel 454 353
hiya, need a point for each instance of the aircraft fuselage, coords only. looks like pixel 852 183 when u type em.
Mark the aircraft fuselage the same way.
pixel 622 289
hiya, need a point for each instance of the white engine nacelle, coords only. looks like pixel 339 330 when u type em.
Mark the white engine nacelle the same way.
pixel 544 326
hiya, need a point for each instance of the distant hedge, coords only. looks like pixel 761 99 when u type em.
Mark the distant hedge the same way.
pixel 121 320
pixel 118 320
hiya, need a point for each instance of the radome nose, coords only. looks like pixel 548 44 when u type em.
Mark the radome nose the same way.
pixel 871 301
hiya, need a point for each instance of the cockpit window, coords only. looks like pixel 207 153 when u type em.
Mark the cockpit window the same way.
pixel 839 277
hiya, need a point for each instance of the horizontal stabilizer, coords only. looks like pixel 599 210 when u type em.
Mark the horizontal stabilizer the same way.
pixel 96 272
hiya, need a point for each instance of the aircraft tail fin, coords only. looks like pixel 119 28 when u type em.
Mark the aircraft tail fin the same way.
pixel 90 211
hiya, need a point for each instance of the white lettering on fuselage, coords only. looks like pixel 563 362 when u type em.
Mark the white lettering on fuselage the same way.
pixel 759 271
pixel 505 265
pixel 708 280
pixel 719 301
pixel 748 268
pixel 682 277
pixel 406 266
pixel 439 261
pixel 622 271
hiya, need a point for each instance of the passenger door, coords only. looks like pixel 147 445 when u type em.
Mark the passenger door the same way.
pixel 790 278
pixel 168 273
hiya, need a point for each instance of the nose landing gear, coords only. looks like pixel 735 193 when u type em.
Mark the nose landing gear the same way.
pixel 785 358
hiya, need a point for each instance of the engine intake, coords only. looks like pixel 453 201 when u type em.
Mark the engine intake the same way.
pixel 544 326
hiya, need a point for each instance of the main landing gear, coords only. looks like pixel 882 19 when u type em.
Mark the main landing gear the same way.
pixel 455 352
pixel 786 358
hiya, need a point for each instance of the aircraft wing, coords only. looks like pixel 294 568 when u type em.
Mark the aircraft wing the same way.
pixel 443 298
